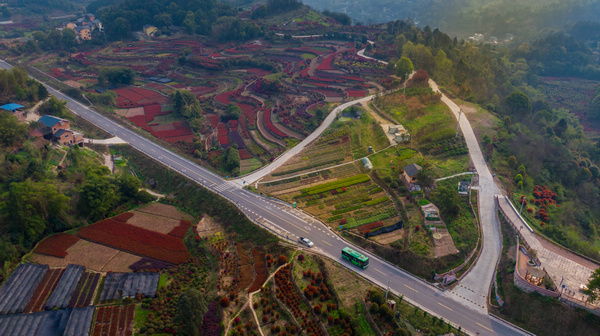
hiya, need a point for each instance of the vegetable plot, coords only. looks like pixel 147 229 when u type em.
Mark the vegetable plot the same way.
pixel 114 320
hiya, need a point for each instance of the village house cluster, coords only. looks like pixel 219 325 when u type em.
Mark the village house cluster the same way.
pixel 84 26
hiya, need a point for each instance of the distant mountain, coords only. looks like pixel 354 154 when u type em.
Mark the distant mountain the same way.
pixel 523 18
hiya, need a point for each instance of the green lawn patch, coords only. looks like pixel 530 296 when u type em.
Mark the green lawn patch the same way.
pixel 249 165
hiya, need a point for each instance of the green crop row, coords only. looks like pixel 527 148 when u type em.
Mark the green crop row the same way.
pixel 354 207
pixel 375 191
pixel 336 184
pixel 376 201
pixel 334 218
pixel 347 200
pixel 312 202
pixel 352 224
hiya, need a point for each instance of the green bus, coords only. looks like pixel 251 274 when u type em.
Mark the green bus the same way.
pixel 355 257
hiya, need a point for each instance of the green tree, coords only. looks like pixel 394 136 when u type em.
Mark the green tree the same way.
pixel 98 195
pixel 55 107
pixel 426 177
pixel 593 286
pixel 191 309
pixel 119 29
pixel 68 39
pixel 512 162
pixel 30 205
pixel 517 103
pixel 561 127
pixel 449 202
pixel 232 160
pixel 233 111
pixel 404 66
pixel 117 75
pixel 11 130
pixel 190 23
pixel 129 185
pixel 443 67
pixel 42 92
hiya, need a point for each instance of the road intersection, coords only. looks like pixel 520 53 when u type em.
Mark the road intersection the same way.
pixel 292 223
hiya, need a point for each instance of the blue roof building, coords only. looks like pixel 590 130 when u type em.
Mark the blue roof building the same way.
pixel 49 121
pixel 11 107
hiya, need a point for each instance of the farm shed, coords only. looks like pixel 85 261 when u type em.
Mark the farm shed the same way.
pixel 12 107
pixel 18 289
pixel 72 322
pixel 367 163
pixel 64 290
pixel 122 285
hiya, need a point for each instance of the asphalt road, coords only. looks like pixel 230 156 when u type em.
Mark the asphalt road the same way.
pixel 292 223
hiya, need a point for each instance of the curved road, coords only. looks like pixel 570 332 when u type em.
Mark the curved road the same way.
pixel 293 223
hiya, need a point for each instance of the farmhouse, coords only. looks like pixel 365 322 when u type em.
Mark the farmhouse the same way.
pixel 410 173
pixel 67 137
pixel 58 129
pixel 150 30
pixel 400 133
pixel 84 26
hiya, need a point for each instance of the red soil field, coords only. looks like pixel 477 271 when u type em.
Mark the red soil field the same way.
pixel 244 154
pixel 136 240
pixel 56 245
pixel 179 231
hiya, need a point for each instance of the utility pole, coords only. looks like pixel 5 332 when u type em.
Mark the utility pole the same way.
pixel 388 286
pixel 522 203
pixel 458 123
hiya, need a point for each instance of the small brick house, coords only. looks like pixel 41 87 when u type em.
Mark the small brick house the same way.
pixel 59 130
pixel 67 137
pixel 410 173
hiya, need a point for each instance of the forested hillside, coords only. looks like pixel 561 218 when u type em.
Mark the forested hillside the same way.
pixel 44 189
pixel 465 17
pixel 203 17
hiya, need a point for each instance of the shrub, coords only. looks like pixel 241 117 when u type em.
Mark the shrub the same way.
pixel 343 221
pixel 224 302
pixel 394 185
pixel 265 319
pixel 374 308
pixel 317 309
pixel 301 257
pixel 282 260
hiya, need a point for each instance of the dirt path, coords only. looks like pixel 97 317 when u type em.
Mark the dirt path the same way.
pixel 109 162
pixel 249 304
pixel 32 114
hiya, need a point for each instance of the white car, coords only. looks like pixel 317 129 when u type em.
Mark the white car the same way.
pixel 306 241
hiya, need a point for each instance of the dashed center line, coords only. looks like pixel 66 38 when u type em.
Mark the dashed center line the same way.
pixel 481 325
pixel 327 243
pixel 450 309
pixel 379 271
pixel 411 288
